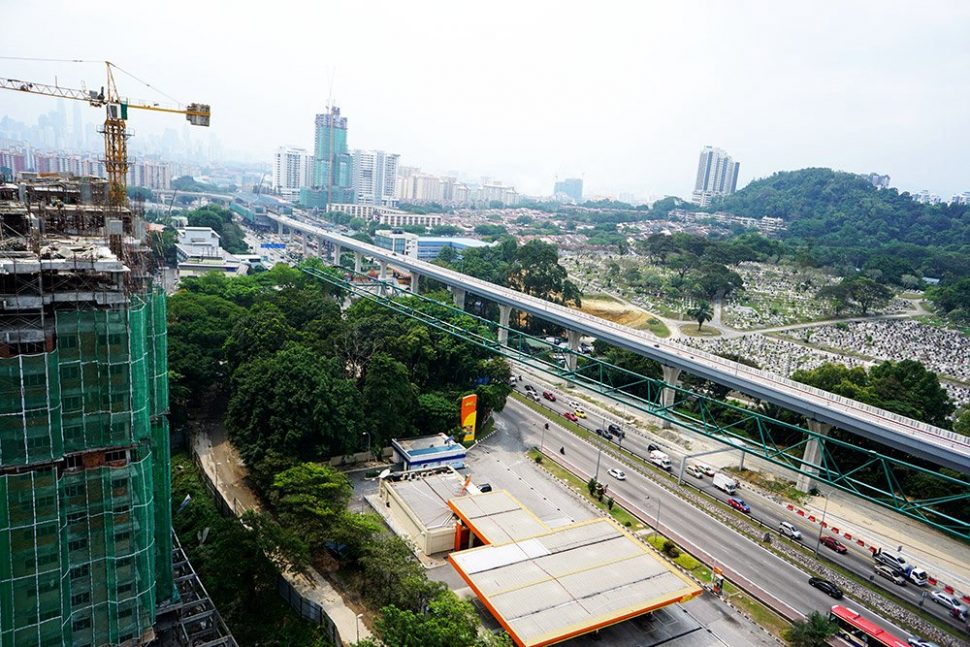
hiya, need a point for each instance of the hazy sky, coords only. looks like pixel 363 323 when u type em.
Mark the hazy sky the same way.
pixel 623 93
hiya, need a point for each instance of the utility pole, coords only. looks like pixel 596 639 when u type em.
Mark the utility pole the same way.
pixel 818 540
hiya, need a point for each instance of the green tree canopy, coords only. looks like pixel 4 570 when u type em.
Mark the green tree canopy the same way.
pixel 814 631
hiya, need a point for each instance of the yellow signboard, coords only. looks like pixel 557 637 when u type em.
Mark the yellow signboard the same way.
pixel 469 413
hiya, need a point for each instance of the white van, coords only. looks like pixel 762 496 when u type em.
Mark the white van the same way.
pixel 695 471
pixel 789 530
pixel 725 483
pixel 660 459
pixel 918 577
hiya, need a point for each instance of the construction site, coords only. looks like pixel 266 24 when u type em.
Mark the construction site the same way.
pixel 85 510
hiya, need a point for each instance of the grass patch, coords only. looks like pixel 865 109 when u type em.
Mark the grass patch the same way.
pixel 691 330
pixel 761 614
pixel 779 486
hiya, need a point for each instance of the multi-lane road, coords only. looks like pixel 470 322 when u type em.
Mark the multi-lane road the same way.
pixel 745 557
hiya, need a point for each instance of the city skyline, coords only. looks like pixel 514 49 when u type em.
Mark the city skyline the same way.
pixel 873 85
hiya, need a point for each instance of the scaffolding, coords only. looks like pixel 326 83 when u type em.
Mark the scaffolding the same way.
pixel 85 518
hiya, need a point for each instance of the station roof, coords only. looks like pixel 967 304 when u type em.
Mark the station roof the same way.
pixel 563 582
pixel 426 494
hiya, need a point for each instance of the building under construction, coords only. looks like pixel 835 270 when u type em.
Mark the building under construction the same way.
pixel 85 510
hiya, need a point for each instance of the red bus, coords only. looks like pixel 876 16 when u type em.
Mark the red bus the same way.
pixel 857 631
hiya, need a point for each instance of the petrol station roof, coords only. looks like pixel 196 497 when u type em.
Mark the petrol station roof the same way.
pixel 559 583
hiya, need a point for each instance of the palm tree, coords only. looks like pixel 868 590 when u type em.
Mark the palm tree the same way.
pixel 701 313
pixel 814 631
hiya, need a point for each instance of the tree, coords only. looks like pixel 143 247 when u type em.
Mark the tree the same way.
pixel 391 576
pixel 961 424
pixel 701 313
pixel 436 414
pixel 389 398
pixel 814 631
pixel 868 293
pixel 311 499
pixel 295 402
pixel 448 622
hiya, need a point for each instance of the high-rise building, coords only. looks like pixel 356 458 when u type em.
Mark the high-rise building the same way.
pixel 571 188
pixel 289 171
pixel 85 490
pixel 717 174
pixel 333 166
pixel 877 180
pixel 375 177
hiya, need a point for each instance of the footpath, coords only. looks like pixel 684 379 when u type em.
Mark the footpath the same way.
pixel 224 468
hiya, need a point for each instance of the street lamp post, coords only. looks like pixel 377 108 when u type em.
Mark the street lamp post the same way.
pixel 599 452
pixel 656 520
pixel 359 616
pixel 366 433
pixel 818 540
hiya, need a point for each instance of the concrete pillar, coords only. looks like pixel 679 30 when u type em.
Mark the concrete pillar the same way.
pixel 306 247
pixel 812 455
pixel 572 336
pixel 337 252
pixel 671 377
pixel 415 277
pixel 503 320
pixel 279 228
pixel 358 260
pixel 458 296
pixel 383 273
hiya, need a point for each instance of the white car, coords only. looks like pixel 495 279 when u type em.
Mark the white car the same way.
pixel 948 600
pixel 707 469
pixel 618 474
pixel 574 405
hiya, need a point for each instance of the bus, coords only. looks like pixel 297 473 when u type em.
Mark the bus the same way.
pixel 859 632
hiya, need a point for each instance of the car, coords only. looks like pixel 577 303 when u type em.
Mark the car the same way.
pixel 695 471
pixel 789 530
pixel 580 413
pixel 549 395
pixel 615 430
pixel 708 470
pixel 651 448
pixel 921 642
pixel 529 387
pixel 618 474
pixel 573 404
pixel 890 574
pixel 533 396
pixel 895 562
pixel 484 487
pixel 570 416
pixel 826 587
pixel 833 543
pixel 948 600
pixel 603 433
pixel 739 504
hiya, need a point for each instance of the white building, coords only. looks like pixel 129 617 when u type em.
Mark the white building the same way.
pixel 290 171
pixel 198 252
pixel 375 177
pixel 717 174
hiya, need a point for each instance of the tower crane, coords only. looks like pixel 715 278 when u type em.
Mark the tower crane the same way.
pixel 116 114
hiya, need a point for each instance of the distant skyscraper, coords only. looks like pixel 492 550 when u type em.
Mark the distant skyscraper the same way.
pixel 375 177
pixel 571 188
pixel 333 165
pixel 289 171
pixel 717 174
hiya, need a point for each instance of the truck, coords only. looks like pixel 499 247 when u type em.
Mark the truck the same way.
pixel 725 483
pixel 660 459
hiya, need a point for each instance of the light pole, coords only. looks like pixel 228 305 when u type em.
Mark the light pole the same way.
pixel 359 616
pixel 818 540
pixel 366 433
pixel 656 520
pixel 599 452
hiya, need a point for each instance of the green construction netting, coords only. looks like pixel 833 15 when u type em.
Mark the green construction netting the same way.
pixel 86 552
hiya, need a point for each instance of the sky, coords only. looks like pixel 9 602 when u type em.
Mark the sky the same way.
pixel 623 94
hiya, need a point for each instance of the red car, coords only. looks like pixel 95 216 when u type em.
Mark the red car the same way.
pixel 548 395
pixel 570 416
pixel 834 544
pixel 739 504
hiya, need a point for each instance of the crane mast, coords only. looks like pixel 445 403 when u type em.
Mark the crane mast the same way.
pixel 114 130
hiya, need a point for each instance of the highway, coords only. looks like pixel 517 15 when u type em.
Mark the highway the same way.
pixel 763 509
pixel 943 447
pixel 736 554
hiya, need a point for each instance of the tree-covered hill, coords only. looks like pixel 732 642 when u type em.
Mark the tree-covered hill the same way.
pixel 844 220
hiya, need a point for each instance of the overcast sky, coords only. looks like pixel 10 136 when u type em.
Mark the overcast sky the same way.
pixel 622 93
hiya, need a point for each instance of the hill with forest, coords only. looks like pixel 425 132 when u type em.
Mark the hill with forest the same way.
pixel 842 220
